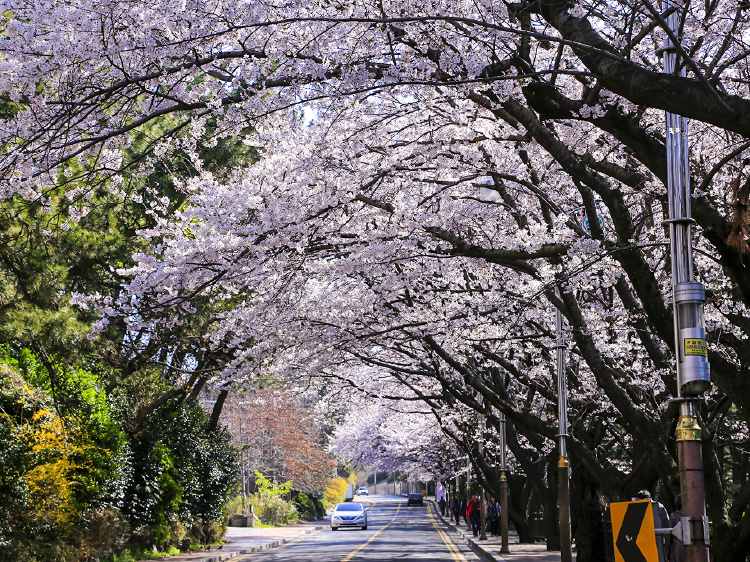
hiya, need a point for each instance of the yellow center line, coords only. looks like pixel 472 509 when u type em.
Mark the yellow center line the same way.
pixel 455 553
pixel 372 538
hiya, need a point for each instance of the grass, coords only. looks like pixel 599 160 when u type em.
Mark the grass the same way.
pixel 145 554
pixel 198 546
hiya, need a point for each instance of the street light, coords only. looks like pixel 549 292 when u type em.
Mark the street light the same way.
pixel 504 488
pixel 482 503
pixel 693 373
pixel 693 368
pixel 563 464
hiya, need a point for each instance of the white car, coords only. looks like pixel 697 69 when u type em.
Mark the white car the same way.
pixel 349 514
pixel 363 492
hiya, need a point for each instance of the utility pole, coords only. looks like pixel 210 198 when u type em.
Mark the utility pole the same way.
pixel 482 502
pixel 693 372
pixel 503 489
pixel 242 460
pixel 482 515
pixel 457 495
pixel 468 488
pixel 563 465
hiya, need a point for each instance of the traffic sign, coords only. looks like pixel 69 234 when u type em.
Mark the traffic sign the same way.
pixel 587 225
pixel 633 531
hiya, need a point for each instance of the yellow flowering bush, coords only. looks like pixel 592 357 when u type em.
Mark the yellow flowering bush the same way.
pixel 335 490
pixel 58 457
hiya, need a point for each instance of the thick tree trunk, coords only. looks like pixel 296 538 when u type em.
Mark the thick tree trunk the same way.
pixel 551 514
pixel 518 507
pixel 587 517
pixel 216 413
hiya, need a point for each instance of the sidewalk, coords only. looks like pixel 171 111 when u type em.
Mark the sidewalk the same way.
pixel 536 552
pixel 246 540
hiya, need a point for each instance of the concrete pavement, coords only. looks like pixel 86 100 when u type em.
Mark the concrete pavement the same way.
pixel 490 548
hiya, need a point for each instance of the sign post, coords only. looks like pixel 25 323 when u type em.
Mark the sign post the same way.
pixel 633 532
pixel 688 295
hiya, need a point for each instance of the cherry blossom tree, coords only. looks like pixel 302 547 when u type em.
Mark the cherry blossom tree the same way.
pixel 426 171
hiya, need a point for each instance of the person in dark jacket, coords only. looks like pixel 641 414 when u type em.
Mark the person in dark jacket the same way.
pixel 660 522
pixel 462 511
pixel 441 503
pixel 676 548
pixel 473 514
pixel 456 508
pixel 493 514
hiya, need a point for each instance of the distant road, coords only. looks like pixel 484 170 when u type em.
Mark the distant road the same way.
pixel 394 532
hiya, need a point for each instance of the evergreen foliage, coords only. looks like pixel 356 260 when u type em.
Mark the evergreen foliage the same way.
pixel 75 484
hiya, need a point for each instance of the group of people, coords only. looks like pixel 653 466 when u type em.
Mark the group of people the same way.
pixel 471 512
pixel 672 547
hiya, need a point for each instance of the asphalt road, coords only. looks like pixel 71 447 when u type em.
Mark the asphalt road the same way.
pixel 394 532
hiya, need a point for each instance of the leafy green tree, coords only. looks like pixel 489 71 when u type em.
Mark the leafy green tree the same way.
pixel 269 503
pixel 142 450
pixel 56 466
pixel 180 477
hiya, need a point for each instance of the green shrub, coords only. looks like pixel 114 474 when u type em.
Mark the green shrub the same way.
pixel 268 503
pixel 180 479
pixel 304 506
pixel 320 509
pixel 274 510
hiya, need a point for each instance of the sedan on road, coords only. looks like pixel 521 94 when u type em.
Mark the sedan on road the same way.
pixel 349 514
pixel 363 492
pixel 415 499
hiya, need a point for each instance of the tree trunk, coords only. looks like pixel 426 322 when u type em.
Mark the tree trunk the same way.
pixel 587 517
pixel 216 413
pixel 551 512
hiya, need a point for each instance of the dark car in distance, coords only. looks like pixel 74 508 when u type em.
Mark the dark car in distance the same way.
pixel 414 499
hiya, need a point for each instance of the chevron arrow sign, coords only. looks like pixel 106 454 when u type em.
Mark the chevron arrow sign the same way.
pixel 633 532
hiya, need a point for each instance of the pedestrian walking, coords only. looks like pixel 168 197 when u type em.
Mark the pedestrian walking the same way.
pixel 462 511
pixel 441 503
pixel 676 548
pixel 473 514
pixel 456 508
pixel 493 512
pixel 661 519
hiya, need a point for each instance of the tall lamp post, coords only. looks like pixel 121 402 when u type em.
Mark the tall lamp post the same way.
pixel 482 503
pixel 693 372
pixel 563 486
pixel 503 489
pixel 468 488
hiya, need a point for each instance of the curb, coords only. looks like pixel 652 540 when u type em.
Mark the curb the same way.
pixel 488 554
pixel 219 557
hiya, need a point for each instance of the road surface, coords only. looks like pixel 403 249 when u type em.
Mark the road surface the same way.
pixel 395 531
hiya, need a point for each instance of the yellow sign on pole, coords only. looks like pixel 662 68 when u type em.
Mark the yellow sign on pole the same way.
pixel 633 531
pixel 696 346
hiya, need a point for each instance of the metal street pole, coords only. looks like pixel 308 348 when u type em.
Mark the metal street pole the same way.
pixel 468 488
pixel 693 372
pixel 482 516
pixel 563 486
pixel 482 502
pixel 457 496
pixel 503 489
